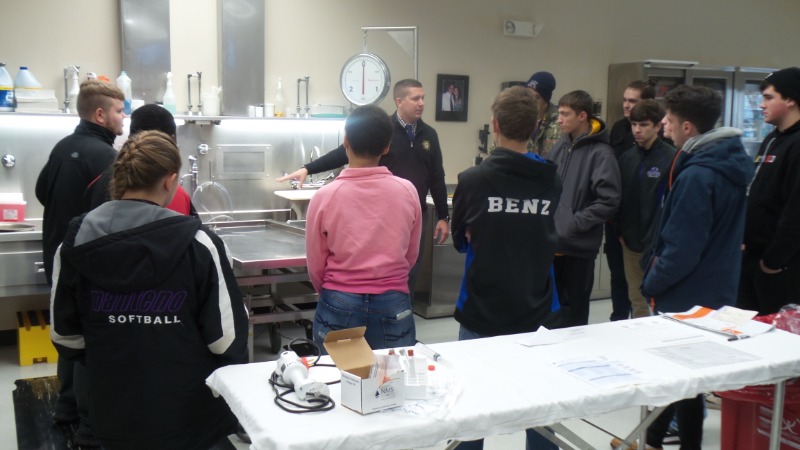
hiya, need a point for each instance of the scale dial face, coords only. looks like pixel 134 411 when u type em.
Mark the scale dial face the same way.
pixel 365 79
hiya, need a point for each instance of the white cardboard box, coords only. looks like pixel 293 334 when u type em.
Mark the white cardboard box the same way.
pixel 353 356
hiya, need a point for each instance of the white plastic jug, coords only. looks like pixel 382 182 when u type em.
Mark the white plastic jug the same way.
pixel 124 84
pixel 26 80
pixel 6 90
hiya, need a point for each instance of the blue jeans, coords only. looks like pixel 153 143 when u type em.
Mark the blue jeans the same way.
pixel 387 316
pixel 533 440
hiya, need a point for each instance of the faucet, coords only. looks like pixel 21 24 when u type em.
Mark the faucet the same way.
pixel 189 86
pixel 70 74
pixel 294 182
pixel 192 175
pixel 310 178
pixel 199 93
pixel 300 80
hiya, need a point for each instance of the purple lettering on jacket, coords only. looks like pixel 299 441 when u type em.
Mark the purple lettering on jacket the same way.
pixel 147 301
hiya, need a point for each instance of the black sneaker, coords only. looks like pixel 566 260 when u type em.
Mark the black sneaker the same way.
pixel 713 401
pixel 64 417
pixel 85 441
pixel 242 435
pixel 671 437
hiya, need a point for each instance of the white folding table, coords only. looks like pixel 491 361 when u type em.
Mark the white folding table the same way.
pixel 506 387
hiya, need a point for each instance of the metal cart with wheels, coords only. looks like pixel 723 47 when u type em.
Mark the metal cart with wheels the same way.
pixel 267 254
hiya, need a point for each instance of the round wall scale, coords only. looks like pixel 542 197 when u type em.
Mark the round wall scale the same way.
pixel 365 79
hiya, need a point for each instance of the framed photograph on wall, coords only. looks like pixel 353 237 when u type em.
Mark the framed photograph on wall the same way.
pixel 452 96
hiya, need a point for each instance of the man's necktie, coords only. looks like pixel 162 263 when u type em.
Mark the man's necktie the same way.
pixel 410 132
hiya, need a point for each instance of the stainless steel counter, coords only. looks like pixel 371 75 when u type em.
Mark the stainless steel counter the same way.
pixel 440 272
pixel 22 272
pixel 263 244
pixel 269 257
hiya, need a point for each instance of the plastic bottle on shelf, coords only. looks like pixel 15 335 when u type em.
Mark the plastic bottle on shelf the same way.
pixel 6 90
pixel 280 104
pixel 124 84
pixel 168 101
pixel 26 80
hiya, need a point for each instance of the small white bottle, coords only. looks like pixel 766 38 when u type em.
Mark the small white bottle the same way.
pixel 168 101
pixel 280 104
pixel 124 84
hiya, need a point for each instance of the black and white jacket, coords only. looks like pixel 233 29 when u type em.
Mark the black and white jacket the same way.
pixel 147 298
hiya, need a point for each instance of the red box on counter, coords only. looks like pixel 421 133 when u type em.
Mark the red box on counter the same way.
pixel 12 212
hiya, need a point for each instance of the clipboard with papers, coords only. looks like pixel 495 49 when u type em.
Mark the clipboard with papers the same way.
pixel 729 321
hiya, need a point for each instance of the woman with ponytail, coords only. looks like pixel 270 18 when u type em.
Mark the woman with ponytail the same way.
pixel 147 298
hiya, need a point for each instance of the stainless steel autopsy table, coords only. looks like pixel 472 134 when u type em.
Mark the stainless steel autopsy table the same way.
pixel 267 253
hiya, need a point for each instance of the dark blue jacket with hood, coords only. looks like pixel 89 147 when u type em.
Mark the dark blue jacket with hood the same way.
pixel 697 256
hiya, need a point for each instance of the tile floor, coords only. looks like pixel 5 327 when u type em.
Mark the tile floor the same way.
pixel 428 331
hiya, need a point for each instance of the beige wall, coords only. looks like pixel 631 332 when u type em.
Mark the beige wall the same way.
pixel 314 38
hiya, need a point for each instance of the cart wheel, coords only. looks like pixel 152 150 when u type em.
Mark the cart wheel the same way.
pixel 274 338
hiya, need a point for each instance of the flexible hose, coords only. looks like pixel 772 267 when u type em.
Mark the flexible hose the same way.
pixel 208 185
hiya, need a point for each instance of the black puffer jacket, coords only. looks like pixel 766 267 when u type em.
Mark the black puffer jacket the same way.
pixel 74 162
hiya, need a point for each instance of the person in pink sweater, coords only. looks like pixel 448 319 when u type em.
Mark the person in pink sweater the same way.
pixel 362 237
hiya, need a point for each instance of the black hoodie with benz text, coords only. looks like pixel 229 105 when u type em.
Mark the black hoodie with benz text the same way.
pixel 506 205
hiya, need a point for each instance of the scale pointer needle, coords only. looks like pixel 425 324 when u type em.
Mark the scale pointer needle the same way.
pixel 363 76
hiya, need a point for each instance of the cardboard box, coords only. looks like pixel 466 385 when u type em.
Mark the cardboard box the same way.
pixel 353 356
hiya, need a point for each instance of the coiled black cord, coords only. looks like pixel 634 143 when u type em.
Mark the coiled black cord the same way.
pixel 318 404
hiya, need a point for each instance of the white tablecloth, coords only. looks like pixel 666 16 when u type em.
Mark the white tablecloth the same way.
pixel 505 387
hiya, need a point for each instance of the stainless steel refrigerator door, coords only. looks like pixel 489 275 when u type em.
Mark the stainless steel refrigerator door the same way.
pixel 622 74
pixel 747 115
pixel 720 81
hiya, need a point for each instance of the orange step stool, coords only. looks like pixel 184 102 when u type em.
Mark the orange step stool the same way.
pixel 33 338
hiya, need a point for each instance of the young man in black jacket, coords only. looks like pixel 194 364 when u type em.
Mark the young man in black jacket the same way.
pixel 503 218
pixel 644 169
pixel 74 162
pixel 771 259
pixel 621 139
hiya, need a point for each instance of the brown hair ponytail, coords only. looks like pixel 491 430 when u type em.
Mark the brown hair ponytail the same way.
pixel 144 160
